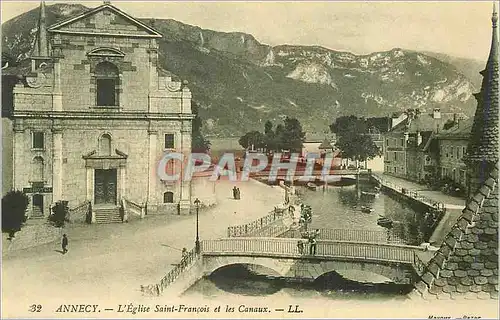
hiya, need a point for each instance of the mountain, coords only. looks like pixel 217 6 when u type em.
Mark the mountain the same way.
pixel 469 67
pixel 240 83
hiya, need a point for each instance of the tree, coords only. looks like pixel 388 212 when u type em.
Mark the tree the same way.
pixel 198 142
pixel 59 213
pixel 353 138
pixel 14 205
pixel 358 146
pixel 251 139
pixel 293 136
pixel 347 124
pixel 269 136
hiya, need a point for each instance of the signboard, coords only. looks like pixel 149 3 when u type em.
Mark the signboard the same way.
pixel 38 190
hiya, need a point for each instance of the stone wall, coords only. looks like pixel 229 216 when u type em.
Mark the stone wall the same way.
pixel 31 235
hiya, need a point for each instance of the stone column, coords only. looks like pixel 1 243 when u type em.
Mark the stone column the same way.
pixel 152 201
pixel 90 189
pixel 123 182
pixel 57 93
pixel 57 168
pixel 17 145
pixel 185 186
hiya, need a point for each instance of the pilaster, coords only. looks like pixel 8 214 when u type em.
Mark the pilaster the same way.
pixel 185 186
pixel 57 167
pixel 152 201
pixel 17 144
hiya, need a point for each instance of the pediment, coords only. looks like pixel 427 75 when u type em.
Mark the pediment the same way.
pixel 105 20
pixel 106 52
pixel 95 155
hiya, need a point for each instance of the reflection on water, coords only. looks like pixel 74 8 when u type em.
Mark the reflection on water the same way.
pixel 333 208
pixel 238 280
pixel 340 208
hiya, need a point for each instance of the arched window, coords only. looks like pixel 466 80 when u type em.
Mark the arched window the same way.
pixel 38 169
pixel 107 82
pixel 168 197
pixel 105 145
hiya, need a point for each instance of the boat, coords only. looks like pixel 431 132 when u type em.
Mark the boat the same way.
pixel 384 222
pixel 367 209
pixel 311 186
pixel 370 194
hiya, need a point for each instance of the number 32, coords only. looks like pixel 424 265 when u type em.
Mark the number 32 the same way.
pixel 35 308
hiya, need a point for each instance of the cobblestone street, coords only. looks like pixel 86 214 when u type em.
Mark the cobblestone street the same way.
pixel 114 260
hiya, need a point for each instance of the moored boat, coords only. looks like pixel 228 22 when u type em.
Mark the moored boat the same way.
pixel 366 209
pixel 385 222
pixel 311 186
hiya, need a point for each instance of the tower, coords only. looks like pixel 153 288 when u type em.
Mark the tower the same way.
pixel 466 264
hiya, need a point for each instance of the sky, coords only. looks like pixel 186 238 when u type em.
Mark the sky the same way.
pixel 461 29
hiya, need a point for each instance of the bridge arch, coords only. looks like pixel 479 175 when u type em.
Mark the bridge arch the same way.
pixel 212 264
pixel 361 271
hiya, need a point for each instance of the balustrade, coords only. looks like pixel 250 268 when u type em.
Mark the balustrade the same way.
pixel 255 226
pixel 349 235
pixel 288 247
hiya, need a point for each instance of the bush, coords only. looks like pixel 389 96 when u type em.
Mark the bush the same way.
pixel 59 213
pixel 14 205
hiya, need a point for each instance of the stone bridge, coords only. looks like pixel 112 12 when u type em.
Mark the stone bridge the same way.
pixel 281 256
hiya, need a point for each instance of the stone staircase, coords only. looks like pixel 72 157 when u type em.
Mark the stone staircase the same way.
pixel 108 215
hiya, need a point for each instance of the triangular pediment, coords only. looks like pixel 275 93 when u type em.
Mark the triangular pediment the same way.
pixel 96 156
pixel 105 20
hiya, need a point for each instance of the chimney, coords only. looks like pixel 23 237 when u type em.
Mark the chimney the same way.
pixel 437 113
pixel 419 138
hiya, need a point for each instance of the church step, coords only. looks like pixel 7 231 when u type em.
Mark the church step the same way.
pixel 107 215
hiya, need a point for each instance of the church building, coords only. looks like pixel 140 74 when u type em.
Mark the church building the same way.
pixel 96 114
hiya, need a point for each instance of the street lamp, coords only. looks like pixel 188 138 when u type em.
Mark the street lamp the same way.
pixel 197 242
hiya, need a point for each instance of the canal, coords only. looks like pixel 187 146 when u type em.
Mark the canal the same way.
pixel 333 207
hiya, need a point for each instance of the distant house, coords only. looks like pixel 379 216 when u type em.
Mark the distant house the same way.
pixel 314 141
pixel 452 149
pixel 397 149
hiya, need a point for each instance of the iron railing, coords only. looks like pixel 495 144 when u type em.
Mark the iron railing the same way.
pixel 349 235
pixel 439 206
pixel 186 262
pixel 288 248
pixel 82 210
pixel 281 247
pixel 256 225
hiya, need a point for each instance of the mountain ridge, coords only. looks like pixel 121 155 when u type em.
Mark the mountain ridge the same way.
pixel 240 83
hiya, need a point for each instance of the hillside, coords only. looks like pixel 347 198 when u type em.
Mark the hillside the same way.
pixel 240 83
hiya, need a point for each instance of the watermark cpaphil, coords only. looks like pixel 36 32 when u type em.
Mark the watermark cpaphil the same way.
pixel 174 166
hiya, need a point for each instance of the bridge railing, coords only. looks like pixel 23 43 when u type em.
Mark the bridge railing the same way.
pixel 349 235
pixel 288 247
pixel 255 226
pixel 187 261
pixel 439 206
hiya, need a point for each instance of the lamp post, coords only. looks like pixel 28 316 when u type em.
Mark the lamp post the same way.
pixel 197 242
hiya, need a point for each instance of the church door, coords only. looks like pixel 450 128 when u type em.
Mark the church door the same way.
pixel 105 186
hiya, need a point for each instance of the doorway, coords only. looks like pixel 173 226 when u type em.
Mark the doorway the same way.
pixel 37 202
pixel 105 186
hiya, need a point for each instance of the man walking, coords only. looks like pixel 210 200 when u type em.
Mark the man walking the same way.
pixel 64 243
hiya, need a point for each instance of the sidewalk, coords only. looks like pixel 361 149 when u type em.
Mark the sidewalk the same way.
pixel 453 205
pixel 108 263
pixel 437 196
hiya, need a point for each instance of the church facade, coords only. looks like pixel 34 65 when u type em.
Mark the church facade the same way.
pixel 95 116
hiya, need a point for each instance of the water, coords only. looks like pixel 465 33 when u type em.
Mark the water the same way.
pixel 333 208
pixel 340 208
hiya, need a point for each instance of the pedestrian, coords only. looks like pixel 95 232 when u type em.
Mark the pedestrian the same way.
pixel 64 243
pixel 234 192
pixel 238 193
pixel 184 253
pixel 300 246
pixel 312 248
